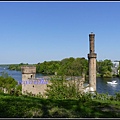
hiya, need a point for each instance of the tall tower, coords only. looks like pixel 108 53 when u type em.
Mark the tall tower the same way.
pixel 92 63
pixel 28 72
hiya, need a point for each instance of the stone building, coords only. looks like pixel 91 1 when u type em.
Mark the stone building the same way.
pixel 30 84
pixel 37 86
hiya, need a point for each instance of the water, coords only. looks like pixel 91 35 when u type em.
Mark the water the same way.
pixel 101 83
pixel 17 75
pixel 103 87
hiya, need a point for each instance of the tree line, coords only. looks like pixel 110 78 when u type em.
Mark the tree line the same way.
pixel 71 67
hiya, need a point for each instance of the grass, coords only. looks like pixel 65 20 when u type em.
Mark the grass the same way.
pixel 32 107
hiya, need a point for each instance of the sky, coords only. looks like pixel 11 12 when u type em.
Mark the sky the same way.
pixel 33 32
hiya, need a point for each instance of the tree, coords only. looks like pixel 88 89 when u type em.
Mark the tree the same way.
pixel 104 68
pixel 7 82
pixel 62 89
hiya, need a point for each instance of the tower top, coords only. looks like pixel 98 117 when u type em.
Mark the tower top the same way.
pixel 28 69
pixel 91 34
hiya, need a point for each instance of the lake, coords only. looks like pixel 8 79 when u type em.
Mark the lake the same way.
pixel 101 83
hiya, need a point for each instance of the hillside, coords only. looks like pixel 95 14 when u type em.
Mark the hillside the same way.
pixel 31 107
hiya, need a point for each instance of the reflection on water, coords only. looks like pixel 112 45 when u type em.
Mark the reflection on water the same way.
pixel 101 83
pixel 104 87
pixel 15 74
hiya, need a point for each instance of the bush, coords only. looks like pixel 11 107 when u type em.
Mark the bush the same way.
pixel 117 96
pixel 62 89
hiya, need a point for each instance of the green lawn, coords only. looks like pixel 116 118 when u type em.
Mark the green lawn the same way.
pixel 31 107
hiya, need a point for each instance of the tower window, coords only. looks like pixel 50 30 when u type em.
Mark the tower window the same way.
pixel 33 85
pixel 31 76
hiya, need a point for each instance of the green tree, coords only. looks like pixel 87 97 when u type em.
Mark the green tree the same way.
pixel 104 68
pixel 7 82
pixel 61 89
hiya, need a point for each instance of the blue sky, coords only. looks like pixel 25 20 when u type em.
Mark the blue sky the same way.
pixel 32 32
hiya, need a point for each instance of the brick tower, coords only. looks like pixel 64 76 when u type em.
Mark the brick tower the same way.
pixel 92 63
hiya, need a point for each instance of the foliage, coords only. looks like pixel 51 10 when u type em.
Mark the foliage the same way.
pixel 62 89
pixel 63 101
pixel 10 84
pixel 105 68
pixel 75 67
pixel 33 107
pixel 17 66
pixel 48 68
pixel 117 96
pixel 70 67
